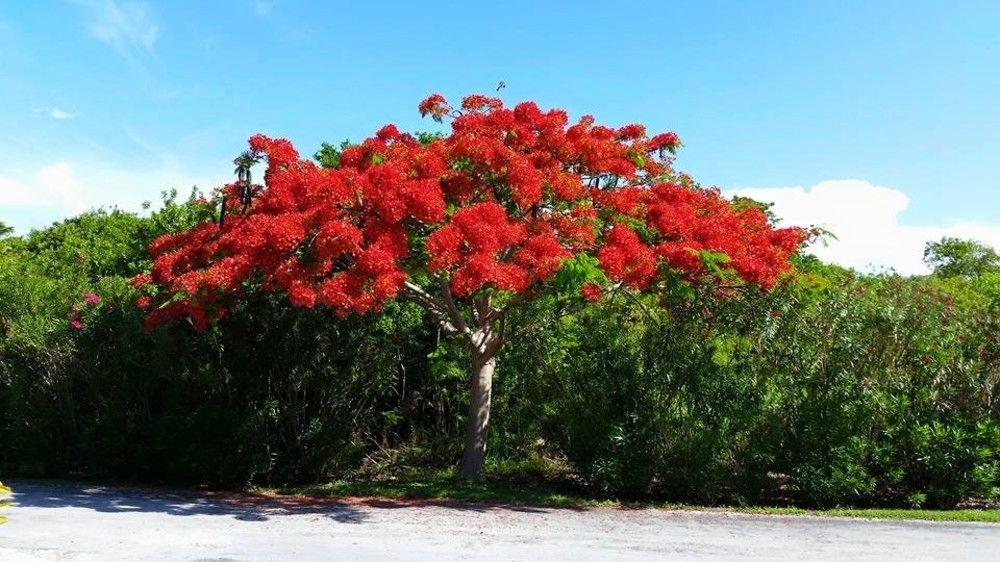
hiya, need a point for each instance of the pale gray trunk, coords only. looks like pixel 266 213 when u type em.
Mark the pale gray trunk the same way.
pixel 484 363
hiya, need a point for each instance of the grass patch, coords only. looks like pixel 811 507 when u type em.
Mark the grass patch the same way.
pixel 982 515
pixel 444 487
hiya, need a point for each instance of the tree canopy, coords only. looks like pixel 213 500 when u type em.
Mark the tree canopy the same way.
pixel 498 205
pixel 955 257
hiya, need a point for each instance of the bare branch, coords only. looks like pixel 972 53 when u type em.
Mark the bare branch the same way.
pixel 416 291
pixel 431 305
pixel 501 334
pixel 452 308
pixel 482 310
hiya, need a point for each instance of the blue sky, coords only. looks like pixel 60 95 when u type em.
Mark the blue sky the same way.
pixel 108 102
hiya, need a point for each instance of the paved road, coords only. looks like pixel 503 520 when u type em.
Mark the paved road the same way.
pixel 91 523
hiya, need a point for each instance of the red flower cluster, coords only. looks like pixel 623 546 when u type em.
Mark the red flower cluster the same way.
pixel 591 291
pixel 75 320
pixel 685 222
pixel 499 203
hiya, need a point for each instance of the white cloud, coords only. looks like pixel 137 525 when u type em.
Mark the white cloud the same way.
pixel 59 184
pixel 14 193
pixel 54 186
pixel 57 113
pixel 126 26
pixel 865 219
pixel 62 189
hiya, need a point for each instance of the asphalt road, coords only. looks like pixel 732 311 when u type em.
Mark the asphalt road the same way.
pixel 69 522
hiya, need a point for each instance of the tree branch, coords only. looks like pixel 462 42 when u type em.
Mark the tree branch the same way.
pixel 431 305
pixel 452 308
pixel 482 310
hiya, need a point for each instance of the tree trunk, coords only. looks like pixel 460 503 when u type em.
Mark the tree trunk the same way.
pixel 484 362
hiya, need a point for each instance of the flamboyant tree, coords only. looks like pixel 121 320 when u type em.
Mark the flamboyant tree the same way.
pixel 468 225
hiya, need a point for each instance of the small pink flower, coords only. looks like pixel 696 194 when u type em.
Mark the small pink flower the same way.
pixel 91 298
pixel 76 324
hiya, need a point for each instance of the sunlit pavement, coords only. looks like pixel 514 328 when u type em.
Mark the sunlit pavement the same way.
pixel 70 522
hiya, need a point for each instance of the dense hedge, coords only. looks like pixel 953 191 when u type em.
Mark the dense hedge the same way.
pixel 835 389
pixel 870 390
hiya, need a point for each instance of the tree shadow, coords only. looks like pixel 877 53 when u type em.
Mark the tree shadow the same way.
pixel 238 505
pixel 244 507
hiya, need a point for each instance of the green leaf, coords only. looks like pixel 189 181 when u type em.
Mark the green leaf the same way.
pixel 576 271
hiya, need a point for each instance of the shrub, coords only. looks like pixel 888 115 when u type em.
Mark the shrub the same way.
pixel 838 389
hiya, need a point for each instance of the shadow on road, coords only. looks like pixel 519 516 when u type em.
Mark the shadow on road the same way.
pixel 127 500
pixel 241 506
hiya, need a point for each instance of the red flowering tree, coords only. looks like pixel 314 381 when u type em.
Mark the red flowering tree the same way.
pixel 469 226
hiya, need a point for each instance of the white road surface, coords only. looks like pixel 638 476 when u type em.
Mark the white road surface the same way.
pixel 78 522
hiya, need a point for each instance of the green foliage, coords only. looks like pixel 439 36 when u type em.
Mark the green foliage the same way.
pixel 328 156
pixel 954 257
pixel 425 138
pixel 577 271
pixel 834 389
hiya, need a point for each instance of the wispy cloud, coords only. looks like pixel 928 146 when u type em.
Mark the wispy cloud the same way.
pixel 57 113
pixel 865 218
pixel 164 157
pixel 126 26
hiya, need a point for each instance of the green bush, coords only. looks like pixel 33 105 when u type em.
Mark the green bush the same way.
pixel 836 389
pixel 272 394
